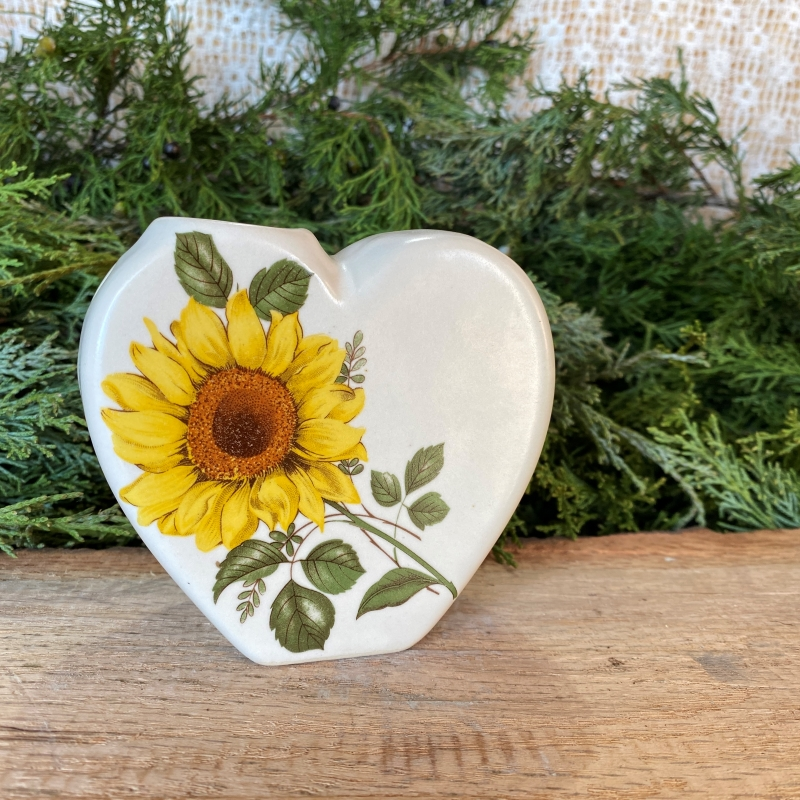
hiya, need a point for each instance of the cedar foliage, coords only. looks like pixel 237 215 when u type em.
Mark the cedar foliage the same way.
pixel 677 331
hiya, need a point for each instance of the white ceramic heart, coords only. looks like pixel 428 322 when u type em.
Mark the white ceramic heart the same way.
pixel 246 415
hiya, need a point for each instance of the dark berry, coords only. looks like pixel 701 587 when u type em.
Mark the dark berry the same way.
pixel 441 40
pixel 486 3
pixel 491 43
pixel 146 163
pixel 447 3
pixel 334 103
pixel 172 151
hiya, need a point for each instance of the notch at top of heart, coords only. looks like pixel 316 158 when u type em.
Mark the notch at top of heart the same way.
pixel 237 241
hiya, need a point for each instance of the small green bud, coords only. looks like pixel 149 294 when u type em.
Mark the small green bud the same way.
pixel 441 40
pixel 46 46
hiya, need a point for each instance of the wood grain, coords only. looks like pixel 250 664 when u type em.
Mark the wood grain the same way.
pixel 634 666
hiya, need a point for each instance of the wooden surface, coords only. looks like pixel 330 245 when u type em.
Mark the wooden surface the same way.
pixel 634 666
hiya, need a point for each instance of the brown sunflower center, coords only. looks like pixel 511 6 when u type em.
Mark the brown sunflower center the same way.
pixel 241 424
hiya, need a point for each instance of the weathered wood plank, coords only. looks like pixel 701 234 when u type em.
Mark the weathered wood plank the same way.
pixel 635 666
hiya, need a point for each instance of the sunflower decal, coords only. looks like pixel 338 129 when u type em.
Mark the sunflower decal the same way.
pixel 233 424
pixel 243 424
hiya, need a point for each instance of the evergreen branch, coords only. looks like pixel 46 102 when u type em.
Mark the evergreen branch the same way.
pixel 44 278
pixel 663 321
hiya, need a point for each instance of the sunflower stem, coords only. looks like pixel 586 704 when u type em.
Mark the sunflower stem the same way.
pixel 397 519
pixel 359 522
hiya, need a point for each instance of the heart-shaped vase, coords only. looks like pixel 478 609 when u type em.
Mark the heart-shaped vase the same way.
pixel 319 450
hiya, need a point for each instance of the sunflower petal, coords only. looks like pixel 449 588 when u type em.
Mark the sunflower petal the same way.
pixel 135 393
pixel 332 483
pixel 158 494
pixel 195 369
pixel 310 501
pixel 195 505
pixel 238 522
pixel 151 458
pixel 167 525
pixel 314 368
pixel 326 439
pixel 319 403
pixel 205 335
pixel 275 500
pixel 308 350
pixel 178 355
pixel 349 408
pixel 146 428
pixel 359 452
pixel 168 376
pixel 208 536
pixel 264 511
pixel 245 332
pixel 160 342
pixel 208 530
pixel 284 336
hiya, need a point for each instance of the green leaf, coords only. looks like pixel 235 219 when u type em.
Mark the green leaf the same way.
pixel 357 378
pixel 283 287
pixel 301 618
pixel 249 561
pixel 333 566
pixel 357 470
pixel 428 510
pixel 358 338
pixel 202 270
pixel 360 363
pixel 341 379
pixel 393 589
pixel 426 464
pixel 385 488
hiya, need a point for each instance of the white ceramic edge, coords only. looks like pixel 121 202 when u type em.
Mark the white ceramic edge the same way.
pixel 298 243
pixel 525 285
pixel 332 271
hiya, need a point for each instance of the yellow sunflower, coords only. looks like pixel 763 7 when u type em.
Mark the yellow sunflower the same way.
pixel 233 425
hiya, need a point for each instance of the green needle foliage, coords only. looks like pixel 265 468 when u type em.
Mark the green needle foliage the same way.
pixel 674 307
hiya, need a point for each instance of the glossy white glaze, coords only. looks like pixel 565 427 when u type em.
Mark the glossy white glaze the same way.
pixel 459 351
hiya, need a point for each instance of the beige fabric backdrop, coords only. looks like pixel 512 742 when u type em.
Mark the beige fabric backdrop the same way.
pixel 744 54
